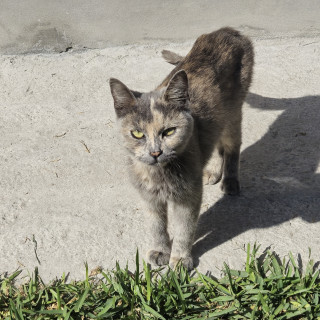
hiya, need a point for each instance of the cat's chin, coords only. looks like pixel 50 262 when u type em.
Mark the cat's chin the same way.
pixel 156 162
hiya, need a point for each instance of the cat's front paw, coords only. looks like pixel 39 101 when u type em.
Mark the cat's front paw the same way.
pixel 187 262
pixel 158 258
pixel 230 186
pixel 211 176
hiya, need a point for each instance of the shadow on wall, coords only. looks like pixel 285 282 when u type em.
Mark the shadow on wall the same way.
pixel 278 175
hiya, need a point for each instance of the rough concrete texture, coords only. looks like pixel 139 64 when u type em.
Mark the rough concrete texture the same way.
pixel 55 26
pixel 65 196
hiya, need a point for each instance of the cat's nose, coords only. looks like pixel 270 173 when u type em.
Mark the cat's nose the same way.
pixel 156 154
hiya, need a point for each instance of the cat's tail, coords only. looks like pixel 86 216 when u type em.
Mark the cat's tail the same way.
pixel 171 57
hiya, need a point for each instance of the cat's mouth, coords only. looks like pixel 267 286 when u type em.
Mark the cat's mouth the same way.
pixel 163 159
pixel 159 162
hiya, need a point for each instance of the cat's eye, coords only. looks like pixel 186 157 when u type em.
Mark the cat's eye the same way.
pixel 169 132
pixel 137 134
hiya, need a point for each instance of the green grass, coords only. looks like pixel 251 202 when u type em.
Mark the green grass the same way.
pixel 267 288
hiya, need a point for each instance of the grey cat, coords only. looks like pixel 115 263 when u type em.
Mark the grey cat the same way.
pixel 185 131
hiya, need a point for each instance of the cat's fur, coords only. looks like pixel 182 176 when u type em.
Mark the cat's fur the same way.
pixel 201 98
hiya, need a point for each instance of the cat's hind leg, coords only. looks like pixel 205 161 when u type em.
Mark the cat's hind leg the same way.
pixel 157 220
pixel 231 143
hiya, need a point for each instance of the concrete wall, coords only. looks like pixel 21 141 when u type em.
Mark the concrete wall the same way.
pixel 54 26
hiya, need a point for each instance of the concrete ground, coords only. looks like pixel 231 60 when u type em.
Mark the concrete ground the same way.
pixel 37 26
pixel 63 175
pixel 64 191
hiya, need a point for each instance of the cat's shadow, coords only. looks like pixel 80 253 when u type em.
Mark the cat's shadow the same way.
pixel 278 176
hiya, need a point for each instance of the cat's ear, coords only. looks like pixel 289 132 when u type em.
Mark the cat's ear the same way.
pixel 177 90
pixel 123 98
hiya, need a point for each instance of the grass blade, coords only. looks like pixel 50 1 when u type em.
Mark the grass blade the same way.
pixel 248 259
pixel 137 268
pixel 153 312
pixel 109 304
pixel 221 313
pixel 81 300
pixel 148 278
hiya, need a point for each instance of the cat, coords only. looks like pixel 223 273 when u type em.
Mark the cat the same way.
pixel 185 133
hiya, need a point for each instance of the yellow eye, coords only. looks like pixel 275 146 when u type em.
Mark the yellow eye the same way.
pixel 137 134
pixel 169 131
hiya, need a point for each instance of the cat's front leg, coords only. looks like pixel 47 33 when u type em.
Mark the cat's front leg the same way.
pixel 184 218
pixel 213 171
pixel 157 220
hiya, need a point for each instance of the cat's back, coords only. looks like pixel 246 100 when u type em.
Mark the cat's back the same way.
pixel 220 61
pixel 218 49
pixel 219 66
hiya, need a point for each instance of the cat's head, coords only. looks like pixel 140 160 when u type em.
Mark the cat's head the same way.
pixel 156 126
